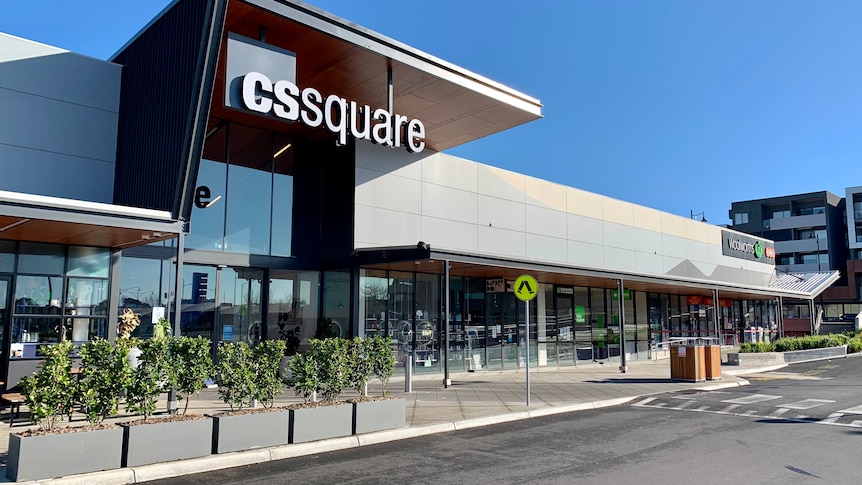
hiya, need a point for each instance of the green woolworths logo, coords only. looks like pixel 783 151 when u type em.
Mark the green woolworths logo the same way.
pixel 758 249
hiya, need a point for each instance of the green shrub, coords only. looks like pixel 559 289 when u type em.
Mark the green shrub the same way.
pixel 266 382
pixel 105 374
pixel 193 365
pixel 235 374
pixel 383 362
pixel 154 375
pixel 304 376
pixel 756 347
pixel 854 345
pixel 331 360
pixel 52 391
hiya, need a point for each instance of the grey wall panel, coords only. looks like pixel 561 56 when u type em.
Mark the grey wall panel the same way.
pixel 43 173
pixel 620 259
pixel 451 234
pixel 501 213
pixel 547 248
pixel 586 229
pixel 501 183
pixel 618 235
pixel 448 203
pixel 648 263
pixel 34 68
pixel 647 241
pixel 387 227
pixel 546 222
pixel 493 240
pixel 393 192
pixel 389 161
pixel 582 253
pixel 56 126
pixel 696 251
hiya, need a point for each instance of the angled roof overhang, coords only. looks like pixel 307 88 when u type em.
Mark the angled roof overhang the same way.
pixel 803 285
pixel 339 57
pixel 426 259
pixel 35 218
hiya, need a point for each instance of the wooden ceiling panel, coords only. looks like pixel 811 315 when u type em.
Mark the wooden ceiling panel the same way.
pixel 56 232
pixel 335 66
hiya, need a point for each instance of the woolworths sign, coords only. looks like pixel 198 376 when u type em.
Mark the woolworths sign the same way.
pixel 746 247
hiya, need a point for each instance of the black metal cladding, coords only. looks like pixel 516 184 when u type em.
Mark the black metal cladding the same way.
pixel 167 82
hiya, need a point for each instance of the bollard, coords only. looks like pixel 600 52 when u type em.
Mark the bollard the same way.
pixel 408 373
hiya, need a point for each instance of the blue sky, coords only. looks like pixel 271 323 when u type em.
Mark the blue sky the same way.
pixel 678 105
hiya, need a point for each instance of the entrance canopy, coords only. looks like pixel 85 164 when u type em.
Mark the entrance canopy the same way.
pixel 36 218
pixel 423 258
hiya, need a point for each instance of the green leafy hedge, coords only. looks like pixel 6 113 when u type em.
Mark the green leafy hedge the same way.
pixel 788 344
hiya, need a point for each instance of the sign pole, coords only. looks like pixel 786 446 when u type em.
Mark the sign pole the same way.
pixel 527 340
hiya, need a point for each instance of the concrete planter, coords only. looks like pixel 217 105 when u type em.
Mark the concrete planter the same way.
pixel 144 444
pixel 322 422
pixel 370 416
pixel 248 431
pixel 779 358
pixel 57 455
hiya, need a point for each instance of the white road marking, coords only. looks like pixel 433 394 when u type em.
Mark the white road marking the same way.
pixel 779 412
pixel 853 410
pixel 752 399
pixel 806 404
pixel 729 408
pixel 832 418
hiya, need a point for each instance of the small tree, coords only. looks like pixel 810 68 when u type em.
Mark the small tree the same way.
pixel 162 328
pixel 304 376
pixel 235 374
pixel 360 355
pixel 153 376
pixel 105 374
pixel 382 360
pixel 331 357
pixel 51 392
pixel 267 383
pixel 193 364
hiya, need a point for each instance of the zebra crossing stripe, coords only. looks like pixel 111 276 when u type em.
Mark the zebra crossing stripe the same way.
pixel 752 399
pixel 806 404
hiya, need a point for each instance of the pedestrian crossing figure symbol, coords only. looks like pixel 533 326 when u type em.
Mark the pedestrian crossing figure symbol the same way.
pixel 526 287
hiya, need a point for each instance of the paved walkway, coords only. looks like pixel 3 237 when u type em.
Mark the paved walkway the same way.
pixel 473 399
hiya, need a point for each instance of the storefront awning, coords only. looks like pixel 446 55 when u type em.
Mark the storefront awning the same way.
pixel 36 218
pixel 807 285
pixel 424 258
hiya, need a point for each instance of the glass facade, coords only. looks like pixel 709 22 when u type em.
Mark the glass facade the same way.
pixel 58 293
pixel 244 199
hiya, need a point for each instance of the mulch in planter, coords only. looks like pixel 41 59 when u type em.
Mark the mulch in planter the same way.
pixel 167 419
pixel 241 412
pixel 65 430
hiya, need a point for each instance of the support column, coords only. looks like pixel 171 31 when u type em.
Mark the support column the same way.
pixel 446 380
pixel 173 405
pixel 622 313
pixel 716 316
pixel 780 316
pixel 811 314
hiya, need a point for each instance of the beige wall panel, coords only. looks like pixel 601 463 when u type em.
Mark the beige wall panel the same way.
pixel 583 203
pixel 673 224
pixel 614 210
pixel 502 183
pixel 450 171
pixel 646 218
pixel 545 194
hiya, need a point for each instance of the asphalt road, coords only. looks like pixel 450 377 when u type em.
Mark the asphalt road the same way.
pixel 800 425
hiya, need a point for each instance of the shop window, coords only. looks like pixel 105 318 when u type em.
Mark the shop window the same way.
pixel 40 258
pixel 93 262
pixel 282 195
pixel 249 191
pixel 7 256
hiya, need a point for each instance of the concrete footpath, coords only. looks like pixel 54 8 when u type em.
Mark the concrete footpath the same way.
pixel 473 399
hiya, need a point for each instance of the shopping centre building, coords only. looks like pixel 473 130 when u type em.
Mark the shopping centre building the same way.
pixel 252 167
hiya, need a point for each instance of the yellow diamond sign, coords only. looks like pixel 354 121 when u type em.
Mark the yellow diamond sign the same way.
pixel 526 287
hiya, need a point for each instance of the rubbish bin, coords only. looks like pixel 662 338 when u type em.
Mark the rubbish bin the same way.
pixel 688 363
pixel 712 353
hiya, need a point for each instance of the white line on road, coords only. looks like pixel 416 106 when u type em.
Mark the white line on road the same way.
pixel 752 399
pixel 806 404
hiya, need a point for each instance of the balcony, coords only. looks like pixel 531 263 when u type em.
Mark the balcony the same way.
pixel 811 220
pixel 801 246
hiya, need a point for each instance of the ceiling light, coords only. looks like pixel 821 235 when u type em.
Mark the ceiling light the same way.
pixel 281 151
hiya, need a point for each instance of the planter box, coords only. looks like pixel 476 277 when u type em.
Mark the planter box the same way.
pixel 144 444
pixel 57 455
pixel 311 424
pixel 247 431
pixel 777 358
pixel 370 416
